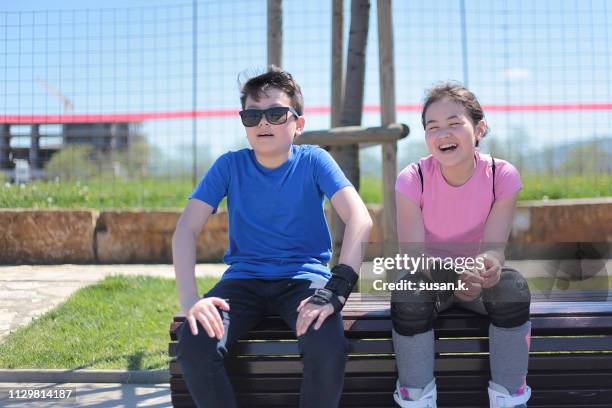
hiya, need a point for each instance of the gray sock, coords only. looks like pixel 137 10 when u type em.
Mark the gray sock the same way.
pixel 509 355
pixel 414 356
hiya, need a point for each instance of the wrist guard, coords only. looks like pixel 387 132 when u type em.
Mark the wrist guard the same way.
pixel 340 284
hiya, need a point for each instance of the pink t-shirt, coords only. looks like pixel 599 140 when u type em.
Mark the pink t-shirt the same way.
pixel 457 214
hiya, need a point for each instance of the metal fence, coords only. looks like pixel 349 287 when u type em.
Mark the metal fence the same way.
pixel 154 90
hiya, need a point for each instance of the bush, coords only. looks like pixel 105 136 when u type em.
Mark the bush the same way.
pixel 74 162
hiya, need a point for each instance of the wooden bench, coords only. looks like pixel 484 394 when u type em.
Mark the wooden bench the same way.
pixel 570 363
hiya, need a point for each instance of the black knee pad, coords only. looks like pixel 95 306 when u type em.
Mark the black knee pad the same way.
pixel 508 302
pixel 412 311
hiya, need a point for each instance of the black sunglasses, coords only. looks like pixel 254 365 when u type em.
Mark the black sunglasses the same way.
pixel 275 116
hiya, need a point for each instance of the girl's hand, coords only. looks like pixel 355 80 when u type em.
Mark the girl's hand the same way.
pixel 492 271
pixel 472 292
pixel 473 284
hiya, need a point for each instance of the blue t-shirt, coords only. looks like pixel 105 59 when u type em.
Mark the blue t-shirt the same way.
pixel 277 226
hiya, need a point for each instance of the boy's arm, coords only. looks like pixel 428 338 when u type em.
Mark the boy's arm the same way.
pixel 184 240
pixel 355 215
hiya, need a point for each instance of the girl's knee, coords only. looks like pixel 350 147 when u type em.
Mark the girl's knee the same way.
pixel 413 314
pixel 508 302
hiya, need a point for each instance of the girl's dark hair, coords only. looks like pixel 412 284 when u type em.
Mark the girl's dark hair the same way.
pixel 456 92
pixel 275 77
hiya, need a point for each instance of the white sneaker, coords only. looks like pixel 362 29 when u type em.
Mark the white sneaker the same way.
pixel 425 397
pixel 499 397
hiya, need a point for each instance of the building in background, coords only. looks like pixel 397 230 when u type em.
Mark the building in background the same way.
pixel 105 137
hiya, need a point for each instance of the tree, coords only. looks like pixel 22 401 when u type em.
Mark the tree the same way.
pixel 347 157
pixel 73 162
pixel 588 158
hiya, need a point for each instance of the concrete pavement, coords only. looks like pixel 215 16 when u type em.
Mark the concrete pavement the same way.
pixel 92 395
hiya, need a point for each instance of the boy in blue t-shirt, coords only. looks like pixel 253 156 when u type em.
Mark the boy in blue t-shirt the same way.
pixel 279 247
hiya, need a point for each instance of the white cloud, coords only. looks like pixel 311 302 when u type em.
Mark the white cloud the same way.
pixel 517 73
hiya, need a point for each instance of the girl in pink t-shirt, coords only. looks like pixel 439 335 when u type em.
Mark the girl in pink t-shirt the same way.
pixel 459 202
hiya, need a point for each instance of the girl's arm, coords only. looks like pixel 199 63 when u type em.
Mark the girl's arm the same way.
pixel 410 228
pixel 497 230
pixel 498 226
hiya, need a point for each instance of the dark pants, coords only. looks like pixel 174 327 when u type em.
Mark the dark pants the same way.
pixel 323 351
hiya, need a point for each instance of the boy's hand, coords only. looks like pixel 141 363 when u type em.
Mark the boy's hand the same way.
pixel 308 312
pixel 492 271
pixel 205 311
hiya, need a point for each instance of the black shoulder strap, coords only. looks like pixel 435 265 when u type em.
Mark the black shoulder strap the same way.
pixel 493 169
pixel 420 176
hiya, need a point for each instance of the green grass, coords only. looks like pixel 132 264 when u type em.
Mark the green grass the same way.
pixel 97 193
pixel 535 187
pixel 370 190
pixel 173 193
pixel 121 322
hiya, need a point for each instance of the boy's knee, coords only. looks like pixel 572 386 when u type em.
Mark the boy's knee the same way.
pixel 200 346
pixel 508 302
pixel 326 343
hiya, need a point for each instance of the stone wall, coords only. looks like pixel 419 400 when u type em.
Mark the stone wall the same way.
pixel 575 220
pixel 145 236
pixel 47 236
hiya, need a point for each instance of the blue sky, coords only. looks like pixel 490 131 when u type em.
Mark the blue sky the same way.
pixel 136 55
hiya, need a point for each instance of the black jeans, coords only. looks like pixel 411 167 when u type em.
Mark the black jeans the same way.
pixel 323 351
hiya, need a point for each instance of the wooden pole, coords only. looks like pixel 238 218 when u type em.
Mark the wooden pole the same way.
pixel 337 88
pixel 275 32
pixel 337 94
pixel 194 93
pixel 347 157
pixel 387 116
pixel 350 135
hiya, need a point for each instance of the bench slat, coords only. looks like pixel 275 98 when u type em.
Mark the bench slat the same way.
pixel 475 326
pixel 463 381
pixel 449 345
pixel 386 364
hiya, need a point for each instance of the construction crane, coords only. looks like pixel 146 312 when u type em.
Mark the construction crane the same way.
pixel 68 105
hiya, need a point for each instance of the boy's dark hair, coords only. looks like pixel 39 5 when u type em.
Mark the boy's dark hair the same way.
pixel 275 77
pixel 458 93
